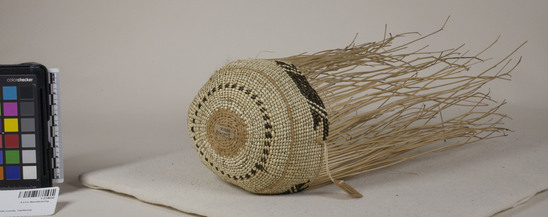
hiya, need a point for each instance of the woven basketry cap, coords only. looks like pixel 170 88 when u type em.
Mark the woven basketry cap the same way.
pixel 261 125
pixel 256 124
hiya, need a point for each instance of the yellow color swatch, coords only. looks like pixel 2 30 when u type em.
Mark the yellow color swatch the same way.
pixel 11 125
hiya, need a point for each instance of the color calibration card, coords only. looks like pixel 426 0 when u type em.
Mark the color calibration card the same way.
pixel 30 146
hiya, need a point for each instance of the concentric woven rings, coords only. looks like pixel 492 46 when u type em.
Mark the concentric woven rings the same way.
pixel 255 124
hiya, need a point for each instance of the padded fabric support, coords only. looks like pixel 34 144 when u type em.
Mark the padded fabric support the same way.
pixel 479 179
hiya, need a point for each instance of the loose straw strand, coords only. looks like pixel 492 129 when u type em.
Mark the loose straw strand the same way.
pixel 339 183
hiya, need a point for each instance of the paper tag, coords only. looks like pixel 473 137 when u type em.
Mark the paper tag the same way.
pixel 29 202
pixel 225 132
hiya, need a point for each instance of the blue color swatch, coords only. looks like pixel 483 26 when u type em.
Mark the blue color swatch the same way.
pixel 13 173
pixel 9 92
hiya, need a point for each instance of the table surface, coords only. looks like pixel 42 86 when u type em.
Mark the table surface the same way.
pixel 129 69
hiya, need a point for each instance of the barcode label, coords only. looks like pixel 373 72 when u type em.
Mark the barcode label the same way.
pixel 28 202
pixel 38 193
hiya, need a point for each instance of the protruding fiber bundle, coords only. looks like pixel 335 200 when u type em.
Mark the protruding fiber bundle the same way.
pixel 264 125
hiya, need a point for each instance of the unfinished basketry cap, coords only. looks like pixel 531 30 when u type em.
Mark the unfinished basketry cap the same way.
pixel 262 124
pixel 256 124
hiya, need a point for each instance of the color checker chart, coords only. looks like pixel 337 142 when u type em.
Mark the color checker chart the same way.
pixel 19 136
pixel 27 123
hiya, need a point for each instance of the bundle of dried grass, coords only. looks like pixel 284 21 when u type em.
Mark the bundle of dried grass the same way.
pixel 280 126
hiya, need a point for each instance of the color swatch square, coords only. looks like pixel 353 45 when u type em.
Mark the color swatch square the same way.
pixel 29 172
pixel 27 92
pixel 13 172
pixel 10 109
pixel 27 124
pixel 1 173
pixel 28 141
pixel 11 125
pixel 27 108
pixel 1 157
pixel 29 156
pixel 9 92
pixel 11 140
pixel 12 157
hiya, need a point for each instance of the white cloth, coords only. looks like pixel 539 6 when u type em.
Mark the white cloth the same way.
pixel 479 179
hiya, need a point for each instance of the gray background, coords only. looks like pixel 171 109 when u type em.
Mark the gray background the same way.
pixel 129 69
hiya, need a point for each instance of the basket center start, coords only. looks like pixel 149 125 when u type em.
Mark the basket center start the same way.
pixel 226 132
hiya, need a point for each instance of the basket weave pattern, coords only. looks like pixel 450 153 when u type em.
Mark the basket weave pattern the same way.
pixel 283 125
pixel 256 123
